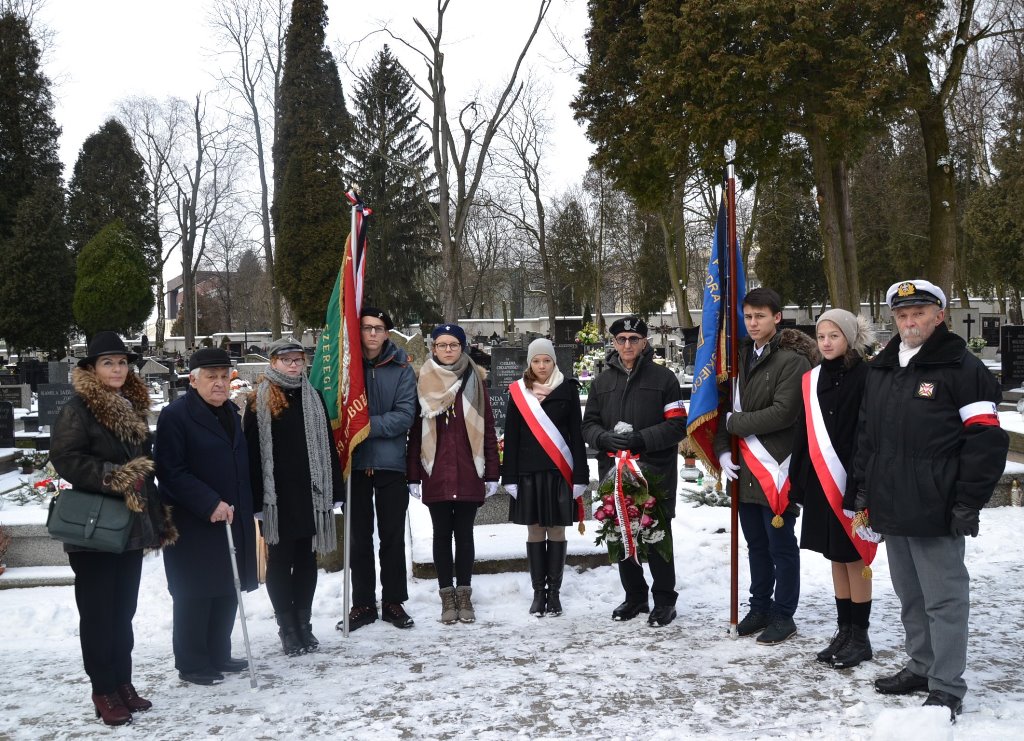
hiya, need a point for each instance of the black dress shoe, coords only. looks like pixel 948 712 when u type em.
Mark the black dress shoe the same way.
pixel 954 703
pixel 629 610
pixel 662 615
pixel 232 665
pixel 902 682
pixel 201 677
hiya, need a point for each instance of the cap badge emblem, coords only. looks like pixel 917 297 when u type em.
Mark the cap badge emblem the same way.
pixel 906 289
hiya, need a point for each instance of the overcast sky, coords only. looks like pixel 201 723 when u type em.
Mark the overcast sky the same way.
pixel 105 50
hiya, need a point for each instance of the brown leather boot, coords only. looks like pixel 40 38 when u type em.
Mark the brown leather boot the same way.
pixel 131 698
pixel 111 709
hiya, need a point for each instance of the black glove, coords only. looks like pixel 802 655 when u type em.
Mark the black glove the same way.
pixel 964 521
pixel 612 441
pixel 636 442
pixel 860 502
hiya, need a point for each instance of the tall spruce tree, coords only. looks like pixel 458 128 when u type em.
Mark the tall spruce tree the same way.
pixel 112 291
pixel 37 276
pixel 390 161
pixel 313 131
pixel 109 182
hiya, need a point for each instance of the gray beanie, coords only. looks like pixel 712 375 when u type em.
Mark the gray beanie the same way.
pixel 540 346
pixel 846 322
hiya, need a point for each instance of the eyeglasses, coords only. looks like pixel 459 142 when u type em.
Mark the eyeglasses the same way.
pixel 291 361
pixel 374 330
pixel 630 340
pixel 446 345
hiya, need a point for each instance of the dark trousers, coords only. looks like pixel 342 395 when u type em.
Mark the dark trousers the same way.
pixel 202 632
pixel 387 493
pixel 291 575
pixel 663 576
pixel 774 558
pixel 106 592
pixel 454 520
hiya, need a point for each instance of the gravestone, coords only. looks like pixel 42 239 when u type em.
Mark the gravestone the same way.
pixel 52 398
pixel 565 356
pixel 1012 349
pixel 19 396
pixel 33 372
pixel 965 322
pixel 811 330
pixel 499 402
pixel 990 330
pixel 152 368
pixel 58 372
pixel 565 331
pixel 251 371
pixel 6 424
pixel 507 366
pixel 9 377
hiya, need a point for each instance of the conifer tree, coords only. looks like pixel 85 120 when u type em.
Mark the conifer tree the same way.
pixel 109 182
pixel 311 215
pixel 390 161
pixel 112 291
pixel 37 277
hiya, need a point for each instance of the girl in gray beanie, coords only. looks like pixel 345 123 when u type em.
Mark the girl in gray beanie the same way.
pixel 832 396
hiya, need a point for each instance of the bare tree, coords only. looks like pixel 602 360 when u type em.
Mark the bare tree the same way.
pixel 203 184
pixel 254 30
pixel 156 131
pixel 460 146
pixel 524 136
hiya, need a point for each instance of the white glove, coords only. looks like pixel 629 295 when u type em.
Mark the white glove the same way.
pixel 866 533
pixel 512 489
pixel 416 490
pixel 578 490
pixel 849 513
pixel 729 468
pixel 490 489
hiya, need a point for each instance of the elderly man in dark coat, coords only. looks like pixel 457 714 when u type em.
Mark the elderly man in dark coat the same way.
pixel 202 467
pixel 636 390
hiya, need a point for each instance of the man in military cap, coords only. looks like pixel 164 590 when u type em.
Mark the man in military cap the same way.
pixel 929 453
pixel 636 390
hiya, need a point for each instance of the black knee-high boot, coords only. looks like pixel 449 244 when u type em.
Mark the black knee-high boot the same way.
pixel 536 557
pixel 556 565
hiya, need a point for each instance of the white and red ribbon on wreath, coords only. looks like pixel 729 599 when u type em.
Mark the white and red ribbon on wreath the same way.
pixel 625 459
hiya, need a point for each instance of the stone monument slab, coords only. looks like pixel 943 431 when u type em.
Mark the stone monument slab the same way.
pixel 6 424
pixel 52 398
pixel 19 396
pixel 1012 351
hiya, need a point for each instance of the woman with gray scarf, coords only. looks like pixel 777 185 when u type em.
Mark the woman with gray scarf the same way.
pixel 296 479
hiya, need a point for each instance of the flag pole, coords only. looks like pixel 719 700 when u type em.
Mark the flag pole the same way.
pixel 346 596
pixel 733 349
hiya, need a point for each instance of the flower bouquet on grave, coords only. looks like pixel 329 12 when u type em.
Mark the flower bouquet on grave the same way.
pixel 631 519
pixel 588 335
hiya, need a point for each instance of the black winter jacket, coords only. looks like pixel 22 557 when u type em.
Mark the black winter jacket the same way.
pixel 638 397
pixel 524 454
pixel 101 442
pixel 292 480
pixel 929 436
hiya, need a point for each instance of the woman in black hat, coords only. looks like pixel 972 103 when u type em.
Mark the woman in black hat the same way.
pixel 101 442
pixel 296 478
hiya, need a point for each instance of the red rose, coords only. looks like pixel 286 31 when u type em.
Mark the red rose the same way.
pixel 646 521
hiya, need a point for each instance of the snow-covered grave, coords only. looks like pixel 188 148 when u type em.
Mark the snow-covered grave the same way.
pixel 512 675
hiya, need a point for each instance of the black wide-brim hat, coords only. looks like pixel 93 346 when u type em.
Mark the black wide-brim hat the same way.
pixel 106 343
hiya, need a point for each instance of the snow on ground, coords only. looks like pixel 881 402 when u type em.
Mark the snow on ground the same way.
pixel 511 675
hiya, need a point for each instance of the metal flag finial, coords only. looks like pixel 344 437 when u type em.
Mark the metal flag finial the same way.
pixel 355 188
pixel 730 151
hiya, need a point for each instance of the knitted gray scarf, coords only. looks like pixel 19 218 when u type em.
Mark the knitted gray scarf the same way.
pixel 318 442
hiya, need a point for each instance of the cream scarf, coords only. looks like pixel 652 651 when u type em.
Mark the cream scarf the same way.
pixel 438 387
pixel 541 390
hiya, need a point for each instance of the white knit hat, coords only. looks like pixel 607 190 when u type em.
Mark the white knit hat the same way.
pixel 540 346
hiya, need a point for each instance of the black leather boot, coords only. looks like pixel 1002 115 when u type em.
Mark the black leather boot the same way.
pixel 855 650
pixel 289 634
pixel 556 565
pixel 536 557
pixel 305 630
pixel 838 641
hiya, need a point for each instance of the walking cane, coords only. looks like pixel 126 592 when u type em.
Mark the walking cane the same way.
pixel 241 607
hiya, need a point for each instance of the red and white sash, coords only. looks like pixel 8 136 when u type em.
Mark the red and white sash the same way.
pixel 829 469
pixel 543 429
pixel 770 474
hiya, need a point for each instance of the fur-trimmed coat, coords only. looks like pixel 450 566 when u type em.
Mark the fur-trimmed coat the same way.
pixel 101 442
pixel 771 402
